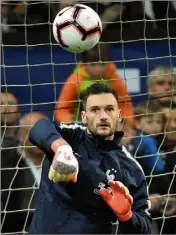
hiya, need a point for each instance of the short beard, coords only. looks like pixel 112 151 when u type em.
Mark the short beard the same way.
pixel 165 104
pixel 101 136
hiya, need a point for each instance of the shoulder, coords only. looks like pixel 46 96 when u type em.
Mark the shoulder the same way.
pixel 132 171
pixel 132 162
pixel 149 144
pixel 73 132
pixel 111 70
pixel 73 126
pixel 144 139
pixel 73 79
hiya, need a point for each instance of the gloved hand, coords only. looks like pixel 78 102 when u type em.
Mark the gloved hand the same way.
pixel 64 166
pixel 120 200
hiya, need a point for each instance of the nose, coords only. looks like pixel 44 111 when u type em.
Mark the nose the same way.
pixel 167 86
pixel 172 125
pixel 98 70
pixel 103 115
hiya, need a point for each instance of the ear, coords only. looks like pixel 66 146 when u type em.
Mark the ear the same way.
pixel 119 115
pixel 84 118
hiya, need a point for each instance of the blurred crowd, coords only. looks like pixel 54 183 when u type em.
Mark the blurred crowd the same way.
pixel 149 129
pixel 18 16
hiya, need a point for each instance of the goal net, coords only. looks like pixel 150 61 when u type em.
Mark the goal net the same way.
pixel 34 68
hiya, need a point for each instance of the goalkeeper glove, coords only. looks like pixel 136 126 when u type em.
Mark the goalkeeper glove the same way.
pixel 64 166
pixel 120 200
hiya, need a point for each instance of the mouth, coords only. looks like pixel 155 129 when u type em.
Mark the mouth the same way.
pixel 104 125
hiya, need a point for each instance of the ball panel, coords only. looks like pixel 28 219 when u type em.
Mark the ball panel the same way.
pixel 64 10
pixel 65 14
pixel 96 35
pixel 90 42
pixel 88 19
pixel 71 36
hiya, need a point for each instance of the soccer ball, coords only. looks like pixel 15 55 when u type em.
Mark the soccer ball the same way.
pixel 77 28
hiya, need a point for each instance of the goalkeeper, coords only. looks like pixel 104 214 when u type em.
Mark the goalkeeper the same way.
pixel 89 181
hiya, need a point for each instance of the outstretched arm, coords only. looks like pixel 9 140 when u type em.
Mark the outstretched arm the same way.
pixel 50 136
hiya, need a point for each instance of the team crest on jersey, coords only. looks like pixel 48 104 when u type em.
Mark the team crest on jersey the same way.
pixel 110 176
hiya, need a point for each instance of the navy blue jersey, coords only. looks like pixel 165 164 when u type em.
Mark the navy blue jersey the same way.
pixel 78 207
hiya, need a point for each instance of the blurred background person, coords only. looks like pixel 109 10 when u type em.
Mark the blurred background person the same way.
pixel 32 155
pixel 164 12
pixel 170 128
pixel 6 10
pixel 115 15
pixel 138 141
pixel 23 177
pixel 10 114
pixel 167 204
pixel 33 16
pixel 162 85
pixel 169 145
pixel 141 141
pixel 10 200
pixel 89 71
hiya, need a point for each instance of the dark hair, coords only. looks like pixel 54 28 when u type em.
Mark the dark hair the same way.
pixel 97 89
pixel 97 54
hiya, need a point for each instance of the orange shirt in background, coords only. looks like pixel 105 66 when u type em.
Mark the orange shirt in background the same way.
pixel 67 108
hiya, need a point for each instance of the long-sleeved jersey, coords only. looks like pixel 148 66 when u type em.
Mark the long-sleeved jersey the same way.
pixel 68 107
pixel 64 208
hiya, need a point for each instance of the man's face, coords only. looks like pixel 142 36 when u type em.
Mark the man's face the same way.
pixel 102 115
pixel 152 124
pixel 9 105
pixel 96 70
pixel 163 86
pixel 171 124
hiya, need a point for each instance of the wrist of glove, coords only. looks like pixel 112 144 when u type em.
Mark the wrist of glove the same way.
pixel 120 200
pixel 64 167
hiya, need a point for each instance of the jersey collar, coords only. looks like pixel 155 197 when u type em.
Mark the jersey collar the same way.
pixel 100 141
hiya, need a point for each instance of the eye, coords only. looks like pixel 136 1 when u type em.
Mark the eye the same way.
pixel 160 82
pixel 94 110
pixel 171 83
pixel 149 121
pixel 110 109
